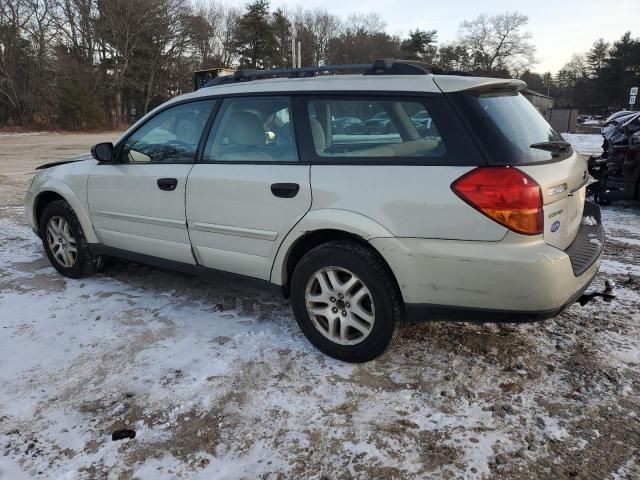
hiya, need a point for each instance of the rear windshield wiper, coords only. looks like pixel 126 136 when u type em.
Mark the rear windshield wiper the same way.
pixel 555 146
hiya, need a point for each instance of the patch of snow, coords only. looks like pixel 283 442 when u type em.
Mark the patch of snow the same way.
pixel 628 241
pixel 589 221
pixel 613 267
pixel 585 144
pixel 10 470
pixel 147 347
pixel 24 134
pixel 630 470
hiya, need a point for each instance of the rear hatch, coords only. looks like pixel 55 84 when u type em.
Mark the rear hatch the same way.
pixel 511 132
pixel 563 187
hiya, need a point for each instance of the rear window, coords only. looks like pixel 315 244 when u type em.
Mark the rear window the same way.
pixel 373 128
pixel 507 124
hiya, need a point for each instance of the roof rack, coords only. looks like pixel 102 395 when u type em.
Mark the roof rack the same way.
pixel 384 66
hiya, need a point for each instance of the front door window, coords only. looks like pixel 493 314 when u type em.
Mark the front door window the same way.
pixel 172 136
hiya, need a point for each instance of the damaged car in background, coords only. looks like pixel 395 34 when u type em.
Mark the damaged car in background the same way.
pixel 617 170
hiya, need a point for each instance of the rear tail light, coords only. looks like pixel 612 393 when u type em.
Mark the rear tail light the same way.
pixel 505 195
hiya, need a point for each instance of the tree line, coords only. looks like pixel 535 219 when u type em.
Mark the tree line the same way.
pixel 85 64
pixel 596 81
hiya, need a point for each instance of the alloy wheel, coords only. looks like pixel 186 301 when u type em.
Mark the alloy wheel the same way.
pixel 340 305
pixel 61 241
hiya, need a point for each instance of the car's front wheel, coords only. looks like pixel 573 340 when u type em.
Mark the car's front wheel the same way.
pixel 345 301
pixel 64 241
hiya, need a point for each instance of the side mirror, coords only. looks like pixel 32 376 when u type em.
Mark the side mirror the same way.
pixel 103 152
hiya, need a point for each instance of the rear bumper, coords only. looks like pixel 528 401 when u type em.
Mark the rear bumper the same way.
pixel 516 279
pixel 417 313
pixel 588 245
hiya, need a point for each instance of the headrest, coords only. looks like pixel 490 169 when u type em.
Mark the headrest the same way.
pixel 317 132
pixel 188 130
pixel 245 128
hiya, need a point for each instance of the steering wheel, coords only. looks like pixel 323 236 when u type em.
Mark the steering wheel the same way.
pixel 179 143
pixel 284 135
pixel 172 151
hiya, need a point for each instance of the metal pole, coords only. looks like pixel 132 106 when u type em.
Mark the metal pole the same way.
pixel 299 54
pixel 293 48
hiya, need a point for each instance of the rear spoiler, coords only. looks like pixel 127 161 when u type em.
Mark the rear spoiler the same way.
pixel 451 83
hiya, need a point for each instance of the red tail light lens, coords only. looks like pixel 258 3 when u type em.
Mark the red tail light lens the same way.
pixel 505 195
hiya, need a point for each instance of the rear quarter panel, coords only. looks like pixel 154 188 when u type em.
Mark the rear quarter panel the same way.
pixel 408 201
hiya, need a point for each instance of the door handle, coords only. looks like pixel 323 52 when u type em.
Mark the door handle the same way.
pixel 285 190
pixel 168 184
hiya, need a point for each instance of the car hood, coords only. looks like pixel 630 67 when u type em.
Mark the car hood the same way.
pixel 78 158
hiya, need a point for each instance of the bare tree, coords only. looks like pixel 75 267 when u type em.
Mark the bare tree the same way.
pixel 169 39
pixel 26 37
pixel 212 30
pixel 315 29
pixel 121 24
pixel 324 27
pixel 498 43
pixel 454 56
pixel 75 22
pixel 578 66
pixel 369 23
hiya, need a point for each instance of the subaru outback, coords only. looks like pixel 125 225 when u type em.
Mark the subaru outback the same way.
pixel 466 206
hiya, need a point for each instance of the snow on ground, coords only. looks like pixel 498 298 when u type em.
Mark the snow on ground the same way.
pixel 585 143
pixel 239 393
pixel 21 134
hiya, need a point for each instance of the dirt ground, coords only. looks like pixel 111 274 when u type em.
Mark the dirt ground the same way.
pixel 218 382
pixel 21 153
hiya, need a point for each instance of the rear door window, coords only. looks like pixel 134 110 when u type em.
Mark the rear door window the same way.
pixel 252 129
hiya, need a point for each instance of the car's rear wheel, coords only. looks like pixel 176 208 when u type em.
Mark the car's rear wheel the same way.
pixel 65 243
pixel 346 301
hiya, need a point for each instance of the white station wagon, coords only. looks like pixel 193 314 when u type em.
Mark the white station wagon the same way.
pixel 395 192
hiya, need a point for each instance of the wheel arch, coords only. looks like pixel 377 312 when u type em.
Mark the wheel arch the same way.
pixel 322 226
pixel 60 191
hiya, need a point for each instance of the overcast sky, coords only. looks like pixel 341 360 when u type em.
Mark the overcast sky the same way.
pixel 559 28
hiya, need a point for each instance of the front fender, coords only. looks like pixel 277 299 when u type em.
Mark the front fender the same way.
pixel 324 219
pixel 56 185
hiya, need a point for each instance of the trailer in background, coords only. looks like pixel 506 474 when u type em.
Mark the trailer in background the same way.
pixel 202 77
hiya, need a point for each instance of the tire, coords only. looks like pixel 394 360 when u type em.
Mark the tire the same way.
pixel 360 275
pixel 59 217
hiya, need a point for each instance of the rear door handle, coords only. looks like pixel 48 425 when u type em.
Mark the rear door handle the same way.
pixel 285 190
pixel 168 184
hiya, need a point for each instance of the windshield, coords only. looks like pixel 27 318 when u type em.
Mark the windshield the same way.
pixel 507 125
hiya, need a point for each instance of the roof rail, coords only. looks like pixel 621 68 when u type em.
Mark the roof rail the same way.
pixel 384 66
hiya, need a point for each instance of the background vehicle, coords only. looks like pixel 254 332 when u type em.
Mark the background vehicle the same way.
pixel 346 124
pixel 617 170
pixel 361 230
